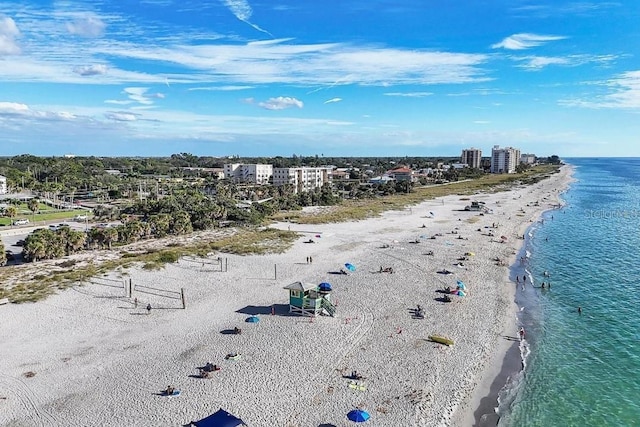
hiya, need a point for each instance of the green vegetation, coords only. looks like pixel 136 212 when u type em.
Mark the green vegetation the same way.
pixel 361 209
pixel 178 200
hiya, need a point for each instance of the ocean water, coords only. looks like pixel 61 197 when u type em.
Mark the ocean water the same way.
pixel 582 369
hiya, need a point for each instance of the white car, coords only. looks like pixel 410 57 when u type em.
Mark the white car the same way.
pixel 80 218
pixel 22 221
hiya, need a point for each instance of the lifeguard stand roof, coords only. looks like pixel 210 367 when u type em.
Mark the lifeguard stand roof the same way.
pixel 299 286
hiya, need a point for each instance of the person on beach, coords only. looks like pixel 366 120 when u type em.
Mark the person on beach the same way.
pixel 148 308
pixel 522 333
pixel 169 391
pixel 518 279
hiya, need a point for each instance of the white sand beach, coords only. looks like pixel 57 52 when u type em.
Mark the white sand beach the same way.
pixel 88 357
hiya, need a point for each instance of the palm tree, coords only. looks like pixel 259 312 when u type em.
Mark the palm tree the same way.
pixel 11 211
pixel 35 246
pixel 33 205
pixel 110 235
pixel 160 224
pixel 181 223
pixel 3 255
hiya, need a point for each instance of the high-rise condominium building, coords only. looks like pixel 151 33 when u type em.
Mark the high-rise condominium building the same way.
pixel 471 157
pixel 504 160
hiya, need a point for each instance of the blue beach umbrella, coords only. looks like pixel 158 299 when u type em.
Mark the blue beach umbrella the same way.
pixel 350 267
pixel 324 286
pixel 252 319
pixel 460 294
pixel 461 285
pixel 358 416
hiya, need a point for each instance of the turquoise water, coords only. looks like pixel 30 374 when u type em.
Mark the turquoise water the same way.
pixel 583 369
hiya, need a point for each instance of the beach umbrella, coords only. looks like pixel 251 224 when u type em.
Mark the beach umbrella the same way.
pixel 460 293
pixel 358 416
pixel 461 285
pixel 252 319
pixel 350 267
pixel 324 286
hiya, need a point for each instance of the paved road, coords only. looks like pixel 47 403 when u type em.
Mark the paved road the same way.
pixel 11 235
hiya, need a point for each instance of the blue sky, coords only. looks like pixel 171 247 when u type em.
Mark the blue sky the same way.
pixel 332 77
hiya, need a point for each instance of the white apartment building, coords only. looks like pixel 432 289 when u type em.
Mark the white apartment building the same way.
pixel 3 184
pixel 504 160
pixel 248 173
pixel 472 157
pixel 302 178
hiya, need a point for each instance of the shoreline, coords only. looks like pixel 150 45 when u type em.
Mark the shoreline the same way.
pixel 83 341
pixel 507 360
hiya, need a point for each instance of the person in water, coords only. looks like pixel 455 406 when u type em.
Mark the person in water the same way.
pixel 522 333
pixel 579 310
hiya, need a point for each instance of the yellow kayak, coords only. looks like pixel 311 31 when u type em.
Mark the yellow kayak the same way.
pixel 440 339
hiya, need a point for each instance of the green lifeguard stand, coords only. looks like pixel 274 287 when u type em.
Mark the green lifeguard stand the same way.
pixel 308 299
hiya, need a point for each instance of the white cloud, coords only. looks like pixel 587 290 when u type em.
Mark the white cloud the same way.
pixel 140 95
pixel 91 70
pixel 525 41
pixel 87 25
pixel 8 34
pixel 624 94
pixel 121 116
pixel 481 122
pixel 539 62
pixel 409 94
pixel 117 102
pixel 222 88
pixel 332 100
pixel 534 63
pixel 14 109
pixel 242 10
pixel 281 103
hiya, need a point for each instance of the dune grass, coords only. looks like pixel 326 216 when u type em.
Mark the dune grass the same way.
pixel 351 210
pixel 247 241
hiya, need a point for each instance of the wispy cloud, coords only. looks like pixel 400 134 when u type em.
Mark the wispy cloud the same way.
pixel 9 109
pixel 122 116
pixel 525 41
pixel 332 100
pixel 281 103
pixel 8 34
pixel 91 70
pixel 87 25
pixel 227 88
pixel 242 10
pixel 409 94
pixel 140 95
pixel 535 63
pixel 624 93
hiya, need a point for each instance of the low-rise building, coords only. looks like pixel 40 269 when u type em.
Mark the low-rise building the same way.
pixel 302 178
pixel 402 173
pixel 3 184
pixel 248 173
